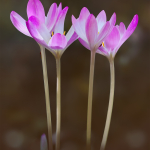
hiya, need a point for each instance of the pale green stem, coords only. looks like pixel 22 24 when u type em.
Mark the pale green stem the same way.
pixel 58 123
pixel 90 96
pixel 49 124
pixel 110 106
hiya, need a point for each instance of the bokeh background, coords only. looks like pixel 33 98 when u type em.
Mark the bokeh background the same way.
pixel 22 100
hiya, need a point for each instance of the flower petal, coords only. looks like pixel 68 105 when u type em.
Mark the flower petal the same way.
pixel 101 50
pixel 112 40
pixel 35 34
pixel 35 8
pixel 103 33
pixel 113 19
pixel 91 30
pixel 130 29
pixel 84 14
pixel 71 36
pixel 41 28
pixel 51 17
pixel 58 42
pixel 43 143
pixel 59 27
pixel 84 43
pixel 19 23
pixel 101 19
pixel 128 32
pixel 78 29
pixel 59 9
pixel 122 28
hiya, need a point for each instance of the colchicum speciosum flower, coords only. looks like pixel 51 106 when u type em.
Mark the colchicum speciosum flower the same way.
pixel 57 42
pixel 35 8
pixel 92 32
pixel 43 143
pixel 109 48
pixel 116 38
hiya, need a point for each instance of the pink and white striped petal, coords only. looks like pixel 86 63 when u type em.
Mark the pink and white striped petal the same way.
pixel 59 27
pixel 122 28
pixel 101 20
pixel 91 30
pixel 19 23
pixel 58 42
pixel 103 33
pixel 79 29
pixel 113 19
pixel 71 36
pixel 132 26
pixel 41 28
pixel 84 43
pixel 51 17
pixel 35 8
pixel 103 51
pixel 112 39
pixel 35 34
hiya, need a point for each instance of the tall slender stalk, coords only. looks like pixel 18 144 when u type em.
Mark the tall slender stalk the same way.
pixel 49 124
pixel 58 126
pixel 90 96
pixel 110 106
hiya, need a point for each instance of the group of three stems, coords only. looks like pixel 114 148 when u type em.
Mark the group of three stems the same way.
pixel 89 113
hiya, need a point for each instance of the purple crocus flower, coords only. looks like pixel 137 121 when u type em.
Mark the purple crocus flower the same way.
pixel 43 142
pixel 35 8
pixel 116 38
pixel 92 31
pixel 56 40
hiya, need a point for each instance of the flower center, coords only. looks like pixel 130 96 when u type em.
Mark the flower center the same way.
pixel 52 33
pixel 103 44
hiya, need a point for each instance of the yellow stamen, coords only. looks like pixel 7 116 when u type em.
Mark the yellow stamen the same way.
pixel 98 32
pixel 103 44
pixel 64 32
pixel 52 33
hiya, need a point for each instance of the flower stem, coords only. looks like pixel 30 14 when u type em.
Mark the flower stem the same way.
pixel 43 56
pixel 110 106
pixel 58 126
pixel 90 95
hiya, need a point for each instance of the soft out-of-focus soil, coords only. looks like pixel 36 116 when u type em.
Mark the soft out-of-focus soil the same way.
pixel 22 101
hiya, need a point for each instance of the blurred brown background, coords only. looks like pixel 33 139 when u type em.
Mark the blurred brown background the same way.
pixel 22 100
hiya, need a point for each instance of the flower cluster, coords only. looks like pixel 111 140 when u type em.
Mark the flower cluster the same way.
pixel 95 33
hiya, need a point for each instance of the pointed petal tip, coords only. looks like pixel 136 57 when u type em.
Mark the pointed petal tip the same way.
pixel 12 12
pixel 66 8
pixel 60 5
pixel 136 18
pixel 113 19
pixel 133 23
pixel 84 9
pixel 73 19
pixel 43 135
pixel 35 8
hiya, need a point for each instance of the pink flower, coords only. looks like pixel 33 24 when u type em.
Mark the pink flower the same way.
pixel 54 40
pixel 35 8
pixel 116 38
pixel 47 31
pixel 43 142
pixel 92 31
